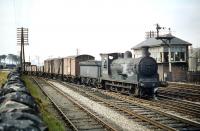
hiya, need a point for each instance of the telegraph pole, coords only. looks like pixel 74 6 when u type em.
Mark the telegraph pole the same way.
pixel 22 39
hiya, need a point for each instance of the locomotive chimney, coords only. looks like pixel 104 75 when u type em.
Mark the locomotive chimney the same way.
pixel 127 54
pixel 145 51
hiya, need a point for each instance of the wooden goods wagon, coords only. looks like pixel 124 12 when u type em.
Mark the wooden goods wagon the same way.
pixel 28 68
pixel 40 68
pixel 57 66
pixel 48 66
pixel 33 68
pixel 71 64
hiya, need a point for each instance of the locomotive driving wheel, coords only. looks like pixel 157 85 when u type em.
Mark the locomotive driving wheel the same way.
pixel 99 86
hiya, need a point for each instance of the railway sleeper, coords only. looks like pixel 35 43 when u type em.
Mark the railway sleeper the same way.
pixel 189 129
pixel 146 113
pixel 140 110
pixel 178 126
pixel 80 120
pixel 86 123
pixel 76 117
pixel 158 119
pixel 97 128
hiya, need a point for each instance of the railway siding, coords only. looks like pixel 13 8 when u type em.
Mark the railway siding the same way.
pixel 103 111
pixel 75 114
pixel 169 122
pixel 190 92
pixel 174 107
pixel 120 111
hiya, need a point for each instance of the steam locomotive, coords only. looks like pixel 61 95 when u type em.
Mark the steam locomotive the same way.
pixel 116 72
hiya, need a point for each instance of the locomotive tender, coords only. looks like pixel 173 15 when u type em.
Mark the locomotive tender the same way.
pixel 116 71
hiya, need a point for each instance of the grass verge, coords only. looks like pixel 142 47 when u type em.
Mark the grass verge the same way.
pixel 3 77
pixel 44 104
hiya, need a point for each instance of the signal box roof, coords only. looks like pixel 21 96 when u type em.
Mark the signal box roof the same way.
pixel 152 42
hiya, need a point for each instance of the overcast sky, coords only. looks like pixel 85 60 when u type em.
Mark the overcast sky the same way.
pixel 58 27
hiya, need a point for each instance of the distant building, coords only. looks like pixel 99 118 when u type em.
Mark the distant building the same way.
pixel 194 59
pixel 160 51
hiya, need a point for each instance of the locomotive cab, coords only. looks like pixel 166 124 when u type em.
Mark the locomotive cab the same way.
pixel 106 60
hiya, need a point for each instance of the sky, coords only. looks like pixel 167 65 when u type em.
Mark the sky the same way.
pixel 57 28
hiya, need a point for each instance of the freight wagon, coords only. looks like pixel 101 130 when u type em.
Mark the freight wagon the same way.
pixel 90 72
pixel 67 68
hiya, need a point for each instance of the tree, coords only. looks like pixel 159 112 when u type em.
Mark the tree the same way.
pixel 16 59
pixel 3 57
pixel 10 58
pixel 0 58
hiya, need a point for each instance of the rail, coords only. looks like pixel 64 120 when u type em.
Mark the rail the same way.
pixel 145 114
pixel 74 123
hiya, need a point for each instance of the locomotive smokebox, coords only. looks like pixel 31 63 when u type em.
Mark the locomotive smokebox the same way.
pixel 145 51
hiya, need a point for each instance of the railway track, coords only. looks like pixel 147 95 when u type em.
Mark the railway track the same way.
pixel 150 117
pixel 182 106
pixel 186 87
pixel 75 115
pixel 182 91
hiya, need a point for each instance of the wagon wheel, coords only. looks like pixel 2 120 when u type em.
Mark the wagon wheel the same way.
pixel 78 82
pixel 98 86
pixel 89 83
